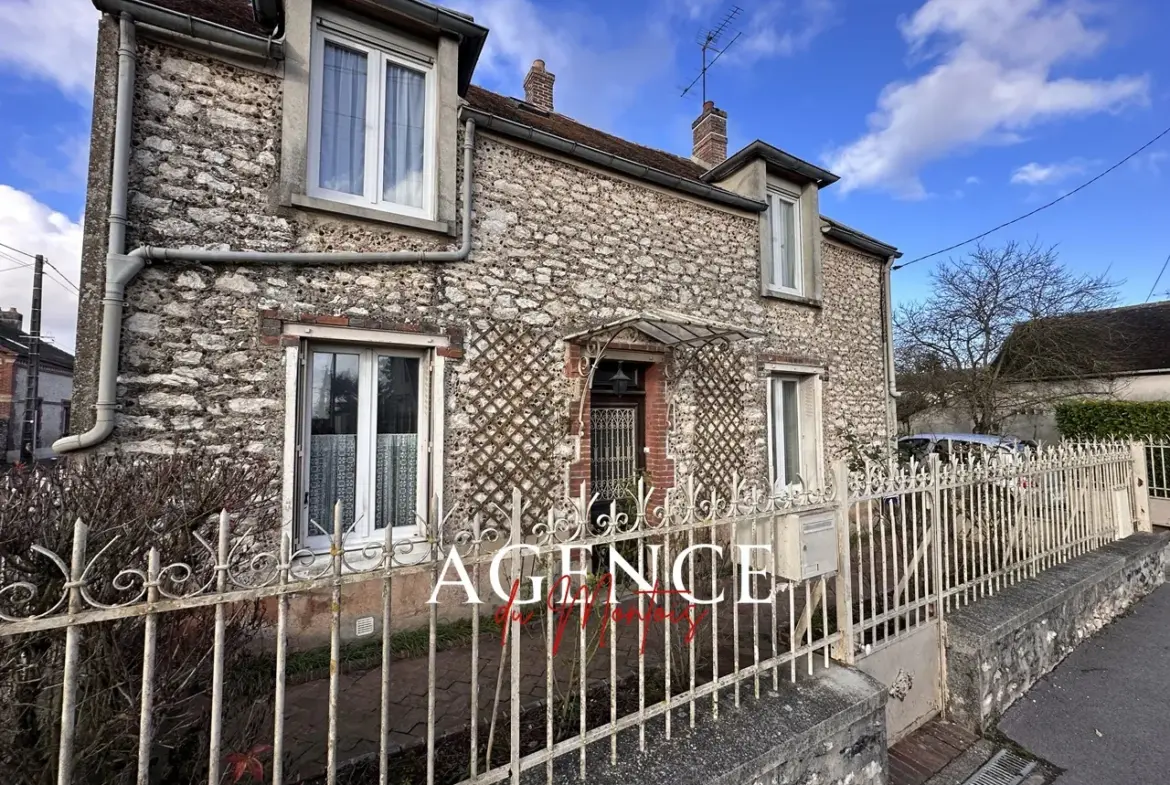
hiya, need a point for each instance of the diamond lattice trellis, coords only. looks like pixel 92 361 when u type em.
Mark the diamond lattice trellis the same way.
pixel 718 387
pixel 512 390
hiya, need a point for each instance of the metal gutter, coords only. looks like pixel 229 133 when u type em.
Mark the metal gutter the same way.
pixel 839 231
pixel 185 24
pixel 888 340
pixel 616 163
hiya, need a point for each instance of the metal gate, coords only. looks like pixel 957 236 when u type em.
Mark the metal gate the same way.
pixel 613 433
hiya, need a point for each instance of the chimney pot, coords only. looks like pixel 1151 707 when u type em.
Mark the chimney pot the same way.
pixel 709 134
pixel 538 86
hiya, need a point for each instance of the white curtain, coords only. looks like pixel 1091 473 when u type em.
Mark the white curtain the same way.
pixel 397 480
pixel 402 178
pixel 343 120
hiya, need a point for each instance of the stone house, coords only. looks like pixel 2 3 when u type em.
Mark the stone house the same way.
pixel 54 390
pixel 417 294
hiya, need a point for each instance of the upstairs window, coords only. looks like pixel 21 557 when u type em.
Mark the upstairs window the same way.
pixel 785 271
pixel 372 122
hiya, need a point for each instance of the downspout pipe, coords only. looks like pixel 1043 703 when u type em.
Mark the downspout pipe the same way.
pixel 888 331
pixel 185 24
pixel 122 268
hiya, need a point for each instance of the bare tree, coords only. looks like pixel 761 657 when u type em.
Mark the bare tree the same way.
pixel 951 345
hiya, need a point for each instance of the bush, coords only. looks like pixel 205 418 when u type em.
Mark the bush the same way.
pixel 1079 420
pixel 130 503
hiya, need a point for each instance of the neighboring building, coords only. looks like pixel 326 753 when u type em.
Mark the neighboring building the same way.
pixel 54 388
pixel 738 330
pixel 1119 353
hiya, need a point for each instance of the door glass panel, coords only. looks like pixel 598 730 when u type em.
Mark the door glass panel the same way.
pixel 396 461
pixel 333 432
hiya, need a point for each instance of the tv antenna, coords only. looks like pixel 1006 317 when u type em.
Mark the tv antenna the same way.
pixel 711 41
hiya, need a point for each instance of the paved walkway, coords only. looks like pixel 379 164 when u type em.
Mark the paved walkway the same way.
pixel 1104 714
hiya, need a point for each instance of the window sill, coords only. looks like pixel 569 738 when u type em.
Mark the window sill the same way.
pixel 792 297
pixel 369 214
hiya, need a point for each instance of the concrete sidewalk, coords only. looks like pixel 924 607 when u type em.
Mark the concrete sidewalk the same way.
pixel 1103 715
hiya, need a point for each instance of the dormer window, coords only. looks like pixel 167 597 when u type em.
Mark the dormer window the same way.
pixel 785 268
pixel 372 120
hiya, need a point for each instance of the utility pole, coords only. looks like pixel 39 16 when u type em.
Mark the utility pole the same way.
pixel 28 439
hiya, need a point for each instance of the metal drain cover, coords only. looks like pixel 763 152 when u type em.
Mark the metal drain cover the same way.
pixel 1004 768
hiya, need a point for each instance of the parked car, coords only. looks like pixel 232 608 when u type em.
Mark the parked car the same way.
pixel 958 445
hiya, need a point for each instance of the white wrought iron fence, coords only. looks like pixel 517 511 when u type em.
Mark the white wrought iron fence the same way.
pixel 928 537
pixel 550 687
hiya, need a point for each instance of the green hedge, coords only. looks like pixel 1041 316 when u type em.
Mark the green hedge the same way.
pixel 1109 419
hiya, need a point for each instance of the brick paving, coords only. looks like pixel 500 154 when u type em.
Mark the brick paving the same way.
pixel 927 751
pixel 359 700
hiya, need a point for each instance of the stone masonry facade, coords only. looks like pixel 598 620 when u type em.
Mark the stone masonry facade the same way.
pixel 557 247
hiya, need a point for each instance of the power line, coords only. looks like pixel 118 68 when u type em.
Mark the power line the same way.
pixel 1159 278
pixel 64 277
pixel 13 259
pixel 1060 198
pixel 26 253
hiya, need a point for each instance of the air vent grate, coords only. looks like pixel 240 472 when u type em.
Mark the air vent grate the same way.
pixel 1004 768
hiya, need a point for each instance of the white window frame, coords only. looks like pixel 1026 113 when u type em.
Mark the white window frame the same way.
pixel 775 195
pixel 379 51
pixel 363 530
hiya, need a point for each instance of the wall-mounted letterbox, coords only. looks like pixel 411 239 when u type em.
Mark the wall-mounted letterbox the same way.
pixel 806 545
pixel 797 546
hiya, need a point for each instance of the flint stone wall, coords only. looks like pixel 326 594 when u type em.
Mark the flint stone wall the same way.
pixel 556 247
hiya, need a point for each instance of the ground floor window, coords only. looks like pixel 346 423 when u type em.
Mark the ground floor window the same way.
pixel 364 436
pixel 793 430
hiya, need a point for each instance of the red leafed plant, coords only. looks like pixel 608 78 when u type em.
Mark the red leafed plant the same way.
pixel 247 763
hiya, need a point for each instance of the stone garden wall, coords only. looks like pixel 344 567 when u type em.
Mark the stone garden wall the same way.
pixel 1000 646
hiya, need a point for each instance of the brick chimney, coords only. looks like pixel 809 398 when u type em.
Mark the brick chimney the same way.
pixel 538 86
pixel 10 317
pixel 710 136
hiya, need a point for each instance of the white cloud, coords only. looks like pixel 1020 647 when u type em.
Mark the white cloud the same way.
pixel 55 41
pixel 1033 173
pixel 992 79
pixel 780 29
pixel 973 180
pixel 31 226
pixel 1151 162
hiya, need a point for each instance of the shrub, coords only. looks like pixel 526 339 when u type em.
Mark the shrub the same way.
pixel 130 503
pixel 1086 419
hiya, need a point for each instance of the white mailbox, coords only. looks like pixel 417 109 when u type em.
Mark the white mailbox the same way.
pixel 806 545
pixel 801 545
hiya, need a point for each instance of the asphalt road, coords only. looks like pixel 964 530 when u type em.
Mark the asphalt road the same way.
pixel 1104 714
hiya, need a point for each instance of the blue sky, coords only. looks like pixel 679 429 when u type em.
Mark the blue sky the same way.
pixel 943 117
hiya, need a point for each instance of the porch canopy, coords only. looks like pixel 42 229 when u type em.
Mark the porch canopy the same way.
pixel 668 328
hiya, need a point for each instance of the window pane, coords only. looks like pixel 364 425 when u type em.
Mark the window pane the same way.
pixel 343 120
pixel 396 469
pixel 783 243
pixel 791 415
pixel 333 429
pixel 402 177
